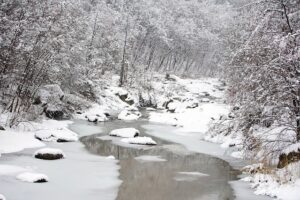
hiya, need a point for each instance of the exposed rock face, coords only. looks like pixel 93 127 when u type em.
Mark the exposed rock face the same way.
pixel 285 159
pixel 2 128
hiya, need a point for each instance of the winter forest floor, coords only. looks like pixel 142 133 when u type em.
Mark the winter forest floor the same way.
pixel 184 163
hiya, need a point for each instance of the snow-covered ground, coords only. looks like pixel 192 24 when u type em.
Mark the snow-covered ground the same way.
pixel 79 176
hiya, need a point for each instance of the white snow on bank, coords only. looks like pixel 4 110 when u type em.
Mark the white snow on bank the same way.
pixel 139 140
pixel 98 176
pixel 93 114
pixel 12 141
pixel 80 176
pixel 147 158
pixel 32 177
pixel 281 183
pixel 191 120
pixel 125 132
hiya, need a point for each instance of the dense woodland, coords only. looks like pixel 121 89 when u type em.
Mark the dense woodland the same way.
pixel 254 46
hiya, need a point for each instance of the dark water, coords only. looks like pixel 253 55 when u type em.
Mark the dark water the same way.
pixel 162 180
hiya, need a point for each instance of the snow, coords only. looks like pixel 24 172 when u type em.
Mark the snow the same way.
pixel 32 177
pixel 52 151
pixel 60 135
pixel 97 175
pixel 125 132
pixel 94 114
pixel 11 169
pixel 139 140
pixel 129 115
pixel 14 141
pixel 191 120
pixel 2 197
pixel 147 158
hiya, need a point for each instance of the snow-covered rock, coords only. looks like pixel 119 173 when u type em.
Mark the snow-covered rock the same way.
pixel 129 115
pixel 49 154
pixel 2 197
pixel 33 177
pixel 205 100
pixel 139 140
pixel 96 118
pixel 59 135
pixel 125 132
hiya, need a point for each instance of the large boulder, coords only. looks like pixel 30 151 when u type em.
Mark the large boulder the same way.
pixel 49 154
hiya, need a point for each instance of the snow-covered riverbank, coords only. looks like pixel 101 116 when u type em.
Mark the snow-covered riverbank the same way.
pixel 80 175
pixel 184 110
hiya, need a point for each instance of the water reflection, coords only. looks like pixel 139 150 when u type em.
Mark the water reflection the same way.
pixel 157 180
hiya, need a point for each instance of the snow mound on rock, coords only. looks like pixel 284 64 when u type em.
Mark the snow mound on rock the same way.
pixel 129 115
pixel 59 135
pixel 125 132
pixel 49 154
pixel 2 197
pixel 139 140
pixel 32 177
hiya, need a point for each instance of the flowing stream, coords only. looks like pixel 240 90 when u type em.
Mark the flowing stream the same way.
pixel 166 171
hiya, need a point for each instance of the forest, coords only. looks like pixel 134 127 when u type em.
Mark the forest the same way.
pixel 63 58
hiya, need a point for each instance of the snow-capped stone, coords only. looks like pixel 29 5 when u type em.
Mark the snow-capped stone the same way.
pixel 32 177
pixel 125 132
pixel 96 118
pixel 59 135
pixel 2 197
pixel 49 154
pixel 129 115
pixel 139 140
pixel 205 100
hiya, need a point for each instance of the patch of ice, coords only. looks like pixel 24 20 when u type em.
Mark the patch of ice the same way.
pixel 125 132
pixel 11 169
pixel 12 141
pixel 139 140
pixel 147 158
pixel 32 177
